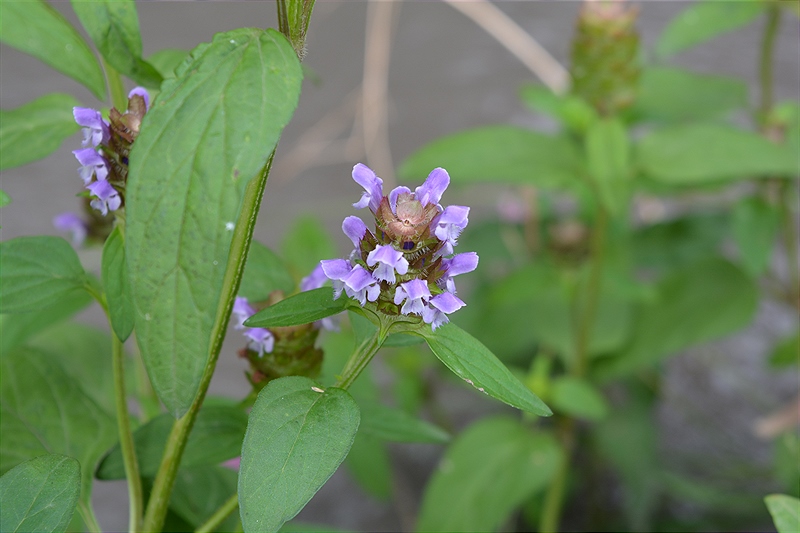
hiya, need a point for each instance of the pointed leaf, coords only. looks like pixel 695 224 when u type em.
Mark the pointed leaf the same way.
pixel 578 398
pixel 36 129
pixel 396 425
pixel 296 438
pixel 470 360
pixel 37 29
pixel 370 465
pixel 755 229
pixel 116 285
pixel 209 132
pixel 113 25
pixel 608 162
pixel 488 471
pixel 264 273
pixel 37 272
pixel 785 511
pixel 40 494
pixel 302 308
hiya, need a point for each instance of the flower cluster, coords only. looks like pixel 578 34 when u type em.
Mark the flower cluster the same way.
pixel 406 266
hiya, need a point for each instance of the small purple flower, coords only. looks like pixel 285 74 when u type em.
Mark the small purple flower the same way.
pixel 336 270
pixel 453 266
pixel 314 280
pixel 449 224
pixel 141 91
pixel 415 293
pixel 388 260
pixel 373 187
pixel 233 464
pixel 439 307
pixel 261 340
pixel 95 129
pixel 355 229
pixel 242 310
pixel 92 163
pixel 431 191
pixel 107 198
pixel 360 285
pixel 72 223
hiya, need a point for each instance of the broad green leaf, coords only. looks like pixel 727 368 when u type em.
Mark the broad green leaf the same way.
pixel 40 494
pixel 39 30
pixel 113 25
pixel 201 490
pixel 785 511
pixel 116 285
pixel 264 273
pixel 43 410
pixel 395 425
pixel 679 242
pixel 608 162
pixel 17 328
pixel 216 437
pixel 703 21
pixel 302 308
pixel 305 245
pixel 695 304
pixel 296 438
pixel 700 153
pixel 5 199
pixel 209 132
pixel 488 471
pixel 370 465
pixel 470 360
pixel 755 229
pixel 36 129
pixel 569 109
pixel 37 272
pixel 787 352
pixel 673 95
pixel 578 398
pixel 167 61
pixel 498 154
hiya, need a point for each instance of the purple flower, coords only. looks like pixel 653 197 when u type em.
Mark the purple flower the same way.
pixel 360 285
pixel 355 229
pixel 233 464
pixel 261 340
pixel 107 198
pixel 242 310
pixel 431 191
pixel 72 223
pixel 95 129
pixel 141 91
pixel 92 163
pixel 449 224
pixel 397 191
pixel 336 270
pixel 314 280
pixel 373 187
pixel 415 293
pixel 439 307
pixel 388 260
pixel 453 266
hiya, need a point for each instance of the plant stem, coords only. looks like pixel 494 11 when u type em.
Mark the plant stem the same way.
pixel 554 498
pixel 219 515
pixel 116 88
pixel 237 257
pixel 589 311
pixel 87 513
pixel 766 61
pixel 361 357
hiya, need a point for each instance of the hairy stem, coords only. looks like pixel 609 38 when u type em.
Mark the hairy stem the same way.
pixel 240 245
pixel 213 523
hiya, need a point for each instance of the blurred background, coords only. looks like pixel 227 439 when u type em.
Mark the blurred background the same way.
pixel 385 79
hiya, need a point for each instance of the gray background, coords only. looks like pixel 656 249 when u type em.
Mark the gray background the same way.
pixel 445 74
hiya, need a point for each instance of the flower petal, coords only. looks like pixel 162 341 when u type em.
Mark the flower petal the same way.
pixel 460 264
pixel 447 302
pixel 431 191
pixel 314 280
pixel 355 229
pixel 373 187
pixel 141 91
pixel 335 269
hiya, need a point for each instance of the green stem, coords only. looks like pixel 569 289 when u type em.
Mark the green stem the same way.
pixel 116 88
pixel 554 498
pixel 127 446
pixel 219 515
pixel 240 245
pixel 283 20
pixel 766 61
pixel 589 311
pixel 788 200
pixel 87 513
pixel 361 357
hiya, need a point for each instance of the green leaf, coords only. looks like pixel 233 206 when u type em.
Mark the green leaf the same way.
pixel 488 471
pixel 264 273
pixel 37 272
pixel 40 494
pixel 5 199
pixel 201 490
pixel 679 242
pixel 470 360
pixel 35 130
pixel 608 162
pixel 755 229
pixel 695 304
pixel 305 245
pixel 370 465
pixel 699 153
pixel 39 30
pixel 113 25
pixel 568 109
pixel 785 511
pixel 787 352
pixel 578 398
pixel 216 437
pixel 295 441
pixel 209 132
pixel 43 410
pixel 703 21
pixel 504 154
pixel 396 425
pixel 16 329
pixel 673 95
pixel 116 285
pixel 167 61
pixel 302 308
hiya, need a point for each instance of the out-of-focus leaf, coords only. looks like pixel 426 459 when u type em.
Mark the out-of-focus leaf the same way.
pixel 17 328
pixel 166 61
pixel 569 109
pixel 608 162
pixel 39 30
pixel 305 245
pixel 488 471
pixel 499 154
pixel 264 273
pixel 388 423
pixel 676 243
pixel 786 463
pixel 36 129
pixel 755 228
pixel 201 490
pixel 786 352
pixel 370 465
pixel 578 398
pixel 5 199
pixel 785 511
pixel 703 21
